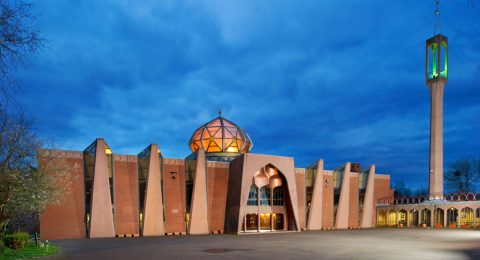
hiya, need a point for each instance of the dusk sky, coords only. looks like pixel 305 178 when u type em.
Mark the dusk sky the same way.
pixel 337 80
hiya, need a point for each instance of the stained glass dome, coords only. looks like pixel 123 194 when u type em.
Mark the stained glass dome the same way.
pixel 220 136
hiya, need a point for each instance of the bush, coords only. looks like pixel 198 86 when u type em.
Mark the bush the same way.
pixel 16 240
pixel 2 247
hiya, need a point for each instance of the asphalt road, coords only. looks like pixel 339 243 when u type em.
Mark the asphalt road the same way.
pixel 388 243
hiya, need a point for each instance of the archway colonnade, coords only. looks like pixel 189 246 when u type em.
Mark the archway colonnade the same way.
pixel 438 216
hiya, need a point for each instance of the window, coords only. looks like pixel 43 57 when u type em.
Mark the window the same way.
pixel 265 196
pixel 278 196
pixel 252 196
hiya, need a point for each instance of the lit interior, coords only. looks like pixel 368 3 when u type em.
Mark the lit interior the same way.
pixel 220 136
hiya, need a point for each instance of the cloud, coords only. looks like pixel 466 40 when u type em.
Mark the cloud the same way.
pixel 342 81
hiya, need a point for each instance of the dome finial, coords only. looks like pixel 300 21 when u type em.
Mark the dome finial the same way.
pixel 220 112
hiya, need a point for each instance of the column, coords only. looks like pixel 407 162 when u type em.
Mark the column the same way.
pixel 199 209
pixel 101 224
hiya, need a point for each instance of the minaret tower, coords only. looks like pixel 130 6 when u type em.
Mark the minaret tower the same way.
pixel 436 78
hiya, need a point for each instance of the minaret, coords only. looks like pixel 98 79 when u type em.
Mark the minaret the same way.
pixel 436 78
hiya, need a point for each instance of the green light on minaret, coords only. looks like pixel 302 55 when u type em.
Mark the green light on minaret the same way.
pixel 434 54
pixel 444 51
pixel 437 58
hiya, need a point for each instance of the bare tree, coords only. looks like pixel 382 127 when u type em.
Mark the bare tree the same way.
pixel 26 188
pixel 422 191
pixel 401 190
pixel 462 176
pixel 19 40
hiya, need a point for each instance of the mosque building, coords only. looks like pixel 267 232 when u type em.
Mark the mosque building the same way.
pixel 223 188
pixel 219 188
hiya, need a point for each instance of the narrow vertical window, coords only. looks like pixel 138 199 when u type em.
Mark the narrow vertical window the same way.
pixel 278 196
pixel 265 196
pixel 252 196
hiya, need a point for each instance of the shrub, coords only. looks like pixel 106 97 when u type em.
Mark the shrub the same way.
pixel 16 240
pixel 2 247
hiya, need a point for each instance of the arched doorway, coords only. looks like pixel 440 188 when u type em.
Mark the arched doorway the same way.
pixel 452 216
pixel 438 217
pixel 391 218
pixel 425 217
pixel 267 202
pixel 382 218
pixel 477 217
pixel 402 218
pixel 413 218
pixel 466 218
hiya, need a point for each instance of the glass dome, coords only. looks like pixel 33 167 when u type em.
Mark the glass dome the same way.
pixel 220 136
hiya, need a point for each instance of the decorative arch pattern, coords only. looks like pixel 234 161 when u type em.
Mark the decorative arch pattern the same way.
pixel 267 187
pixel 382 218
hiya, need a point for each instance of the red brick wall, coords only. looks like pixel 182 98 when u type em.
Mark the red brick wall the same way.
pixel 382 191
pixel 217 178
pixel 327 210
pixel 300 182
pixel 126 196
pixel 67 220
pixel 174 195
pixel 353 202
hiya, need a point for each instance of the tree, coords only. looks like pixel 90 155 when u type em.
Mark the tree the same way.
pixel 26 188
pixel 422 191
pixel 401 190
pixel 19 39
pixel 462 176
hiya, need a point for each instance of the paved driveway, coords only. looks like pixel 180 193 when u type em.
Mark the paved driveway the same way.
pixel 336 244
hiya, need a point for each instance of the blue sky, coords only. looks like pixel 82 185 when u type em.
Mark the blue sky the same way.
pixel 338 80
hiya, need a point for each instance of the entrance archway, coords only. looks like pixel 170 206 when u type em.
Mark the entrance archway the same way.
pixel 477 217
pixel 413 218
pixel 466 218
pixel 425 217
pixel 267 204
pixel 438 217
pixel 382 218
pixel 391 218
pixel 452 217
pixel 402 218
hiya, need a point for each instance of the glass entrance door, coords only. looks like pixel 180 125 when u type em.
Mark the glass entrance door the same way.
pixel 277 221
pixel 265 222
pixel 252 222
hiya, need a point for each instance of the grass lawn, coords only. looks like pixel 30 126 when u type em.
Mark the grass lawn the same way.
pixel 30 251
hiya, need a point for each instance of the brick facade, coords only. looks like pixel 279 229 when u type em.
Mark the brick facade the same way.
pixel 327 211
pixel 217 184
pixel 126 195
pixel 67 220
pixel 353 203
pixel 174 195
